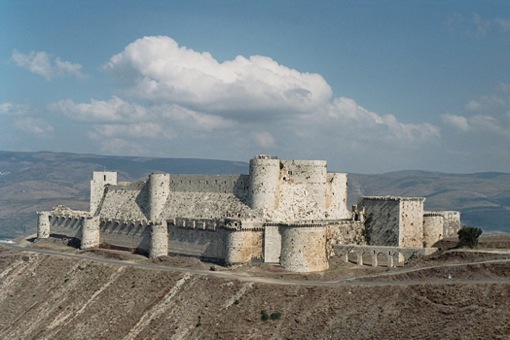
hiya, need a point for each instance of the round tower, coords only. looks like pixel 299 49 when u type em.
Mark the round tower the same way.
pixel 304 248
pixel 432 228
pixel 264 178
pixel 238 246
pixel 90 232
pixel 159 240
pixel 43 224
pixel 159 189
pixel 100 179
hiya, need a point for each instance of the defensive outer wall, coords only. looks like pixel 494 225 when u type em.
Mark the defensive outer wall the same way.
pixel 291 212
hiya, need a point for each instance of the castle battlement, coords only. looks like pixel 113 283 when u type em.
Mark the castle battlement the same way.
pixel 285 211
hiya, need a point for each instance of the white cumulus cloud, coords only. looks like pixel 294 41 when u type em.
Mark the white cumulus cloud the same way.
pixel 35 126
pixel 161 70
pixel 186 102
pixel 13 109
pixel 458 122
pixel 113 110
pixel 487 113
pixel 41 63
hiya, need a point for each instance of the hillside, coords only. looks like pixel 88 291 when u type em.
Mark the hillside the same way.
pixel 31 182
pixel 53 297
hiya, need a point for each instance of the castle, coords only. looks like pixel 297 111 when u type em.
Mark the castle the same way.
pixel 291 212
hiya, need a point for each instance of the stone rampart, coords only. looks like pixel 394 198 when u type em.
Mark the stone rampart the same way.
pixel 452 223
pixel 159 239
pixel 304 249
pixel 272 244
pixel 125 202
pixel 90 237
pixel 197 242
pixel 234 184
pixel 69 226
pixel 128 234
pixel 100 179
pixel 344 232
pixel 264 184
pixel 411 222
pixel 393 221
pixel 336 197
pixel 382 221
pixel 242 247
pixel 158 191
pixel 43 224
pixel 433 228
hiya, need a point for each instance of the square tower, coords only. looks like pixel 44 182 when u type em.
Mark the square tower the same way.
pixel 100 179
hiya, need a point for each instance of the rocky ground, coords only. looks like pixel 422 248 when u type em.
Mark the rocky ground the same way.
pixel 450 296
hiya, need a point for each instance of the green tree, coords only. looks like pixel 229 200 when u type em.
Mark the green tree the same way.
pixel 468 236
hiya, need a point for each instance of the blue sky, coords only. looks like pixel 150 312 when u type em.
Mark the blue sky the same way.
pixel 370 86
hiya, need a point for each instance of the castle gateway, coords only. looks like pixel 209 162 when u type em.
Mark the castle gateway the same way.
pixel 291 212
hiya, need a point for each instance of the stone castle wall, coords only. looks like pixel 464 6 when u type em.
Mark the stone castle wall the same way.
pixel 304 248
pixel 203 243
pixel 344 232
pixel 158 188
pixel 452 223
pixel 286 211
pixel 411 222
pixel 125 234
pixel 382 221
pixel 43 224
pixel 433 228
pixel 66 226
pixel 97 185
pixel 297 190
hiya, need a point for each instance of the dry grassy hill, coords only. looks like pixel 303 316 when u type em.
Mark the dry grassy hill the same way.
pixel 54 297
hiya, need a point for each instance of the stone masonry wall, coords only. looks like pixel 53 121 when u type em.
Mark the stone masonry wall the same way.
pixel 242 245
pixel 382 220
pixel 43 224
pixel 302 191
pixel 125 202
pixel 235 184
pixel 272 244
pixel 159 239
pixel 90 236
pixel 345 232
pixel 452 223
pixel 197 242
pixel 69 227
pixel 97 185
pixel 336 197
pixel 433 226
pixel 304 249
pixel 158 192
pixel 411 222
pixel 264 182
pixel 127 235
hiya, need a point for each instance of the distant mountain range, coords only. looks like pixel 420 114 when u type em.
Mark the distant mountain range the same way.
pixel 36 181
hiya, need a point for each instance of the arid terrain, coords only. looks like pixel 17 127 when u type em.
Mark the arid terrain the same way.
pixel 52 291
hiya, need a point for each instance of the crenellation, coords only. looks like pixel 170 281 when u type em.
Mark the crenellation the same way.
pixel 291 212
